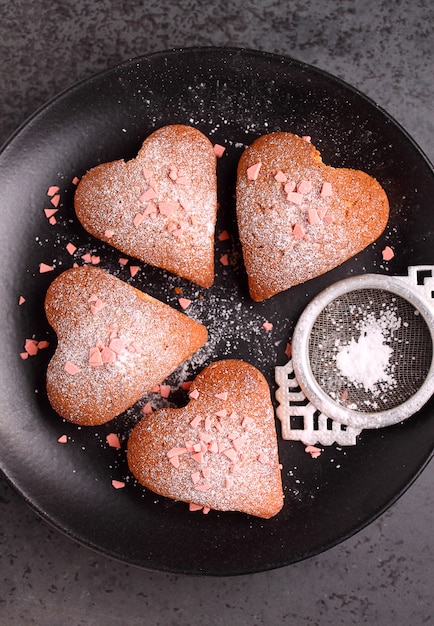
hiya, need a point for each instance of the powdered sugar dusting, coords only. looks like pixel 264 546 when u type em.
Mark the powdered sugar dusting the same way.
pixel 234 327
pixel 366 360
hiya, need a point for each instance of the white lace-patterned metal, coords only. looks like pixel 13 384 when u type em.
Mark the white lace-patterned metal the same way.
pixel 300 420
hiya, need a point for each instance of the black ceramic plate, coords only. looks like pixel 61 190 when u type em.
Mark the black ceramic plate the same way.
pixel 232 96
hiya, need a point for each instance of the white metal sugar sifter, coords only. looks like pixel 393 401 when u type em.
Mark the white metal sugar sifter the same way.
pixel 362 350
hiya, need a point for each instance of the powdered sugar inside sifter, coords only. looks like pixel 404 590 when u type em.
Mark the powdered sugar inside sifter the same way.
pixel 362 350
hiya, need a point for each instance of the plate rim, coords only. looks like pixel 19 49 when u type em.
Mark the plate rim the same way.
pixel 212 50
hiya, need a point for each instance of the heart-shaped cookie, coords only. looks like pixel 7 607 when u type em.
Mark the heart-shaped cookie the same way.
pixel 299 218
pixel 159 207
pixel 218 452
pixel 115 343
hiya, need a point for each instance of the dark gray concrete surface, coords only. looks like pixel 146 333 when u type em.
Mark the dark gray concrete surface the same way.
pixel 383 575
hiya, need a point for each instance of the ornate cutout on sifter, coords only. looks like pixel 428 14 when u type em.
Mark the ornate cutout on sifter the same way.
pixel 301 420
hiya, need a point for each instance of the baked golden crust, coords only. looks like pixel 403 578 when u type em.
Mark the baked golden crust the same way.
pixel 220 451
pixel 115 343
pixel 291 233
pixel 159 207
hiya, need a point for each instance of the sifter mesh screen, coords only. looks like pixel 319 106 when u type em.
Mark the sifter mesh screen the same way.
pixel 371 382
